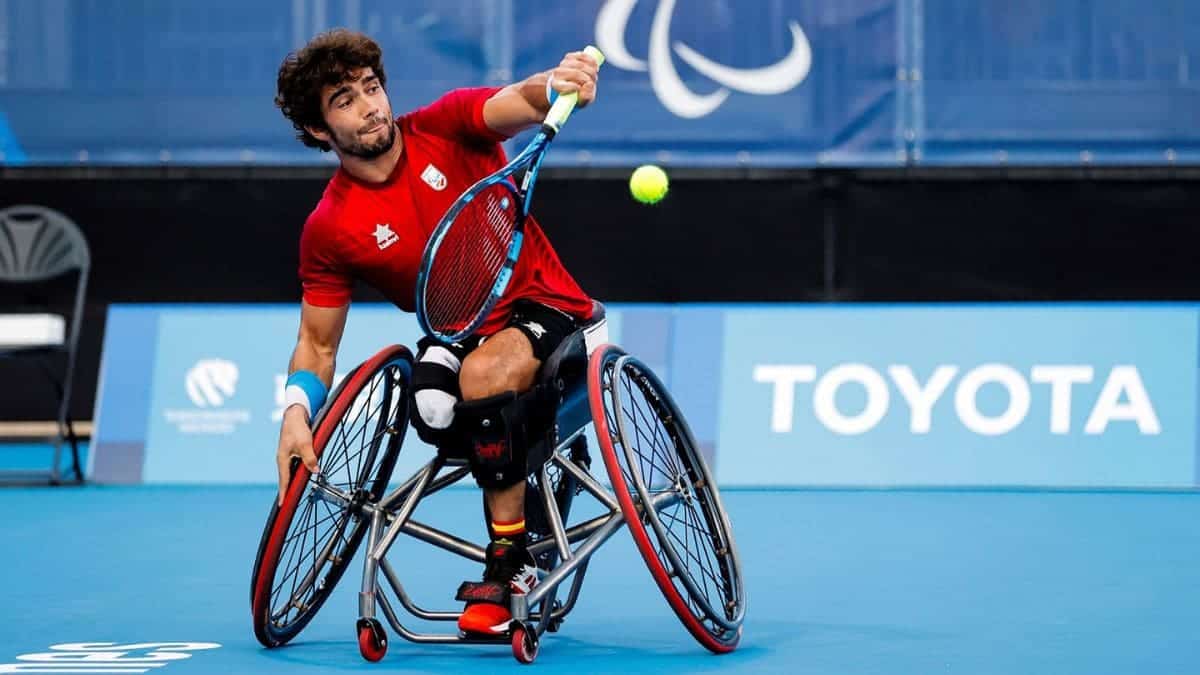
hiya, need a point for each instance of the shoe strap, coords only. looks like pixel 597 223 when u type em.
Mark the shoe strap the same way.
pixel 483 591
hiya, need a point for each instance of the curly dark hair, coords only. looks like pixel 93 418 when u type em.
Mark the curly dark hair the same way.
pixel 328 59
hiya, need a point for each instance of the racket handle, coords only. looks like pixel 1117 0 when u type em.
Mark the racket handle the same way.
pixel 565 104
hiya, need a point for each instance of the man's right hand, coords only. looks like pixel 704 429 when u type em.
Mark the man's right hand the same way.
pixel 295 440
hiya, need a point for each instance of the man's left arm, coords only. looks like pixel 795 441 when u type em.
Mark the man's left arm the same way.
pixel 524 104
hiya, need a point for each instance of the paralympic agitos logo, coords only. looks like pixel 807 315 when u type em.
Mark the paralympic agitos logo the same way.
pixel 669 87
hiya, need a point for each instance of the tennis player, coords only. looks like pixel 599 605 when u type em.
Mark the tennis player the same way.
pixel 397 176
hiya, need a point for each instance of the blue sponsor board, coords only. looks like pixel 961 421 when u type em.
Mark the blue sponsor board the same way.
pixel 1052 396
pixel 194 394
pixel 687 82
pixel 1086 396
pixel 702 82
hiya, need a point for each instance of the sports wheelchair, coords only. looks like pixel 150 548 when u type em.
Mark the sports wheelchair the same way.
pixel 661 490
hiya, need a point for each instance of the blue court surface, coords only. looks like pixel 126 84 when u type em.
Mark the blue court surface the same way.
pixel 838 582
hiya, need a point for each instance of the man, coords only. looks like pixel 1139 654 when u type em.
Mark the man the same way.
pixel 396 179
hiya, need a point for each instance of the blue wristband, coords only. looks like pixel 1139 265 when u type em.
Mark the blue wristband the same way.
pixel 305 389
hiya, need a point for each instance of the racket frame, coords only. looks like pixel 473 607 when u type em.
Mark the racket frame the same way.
pixel 530 157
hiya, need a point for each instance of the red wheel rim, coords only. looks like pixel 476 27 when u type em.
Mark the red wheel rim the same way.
pixel 282 516
pixel 637 529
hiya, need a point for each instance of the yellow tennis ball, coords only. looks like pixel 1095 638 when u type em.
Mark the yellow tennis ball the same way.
pixel 648 184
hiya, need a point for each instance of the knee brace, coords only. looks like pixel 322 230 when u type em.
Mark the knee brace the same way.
pixel 501 430
pixel 435 392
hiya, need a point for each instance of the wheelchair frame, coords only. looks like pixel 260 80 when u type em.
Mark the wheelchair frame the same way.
pixel 393 516
pixel 539 610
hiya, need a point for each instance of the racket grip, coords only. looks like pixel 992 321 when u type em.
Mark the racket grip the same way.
pixel 565 104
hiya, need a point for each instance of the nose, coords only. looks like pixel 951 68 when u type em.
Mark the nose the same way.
pixel 369 109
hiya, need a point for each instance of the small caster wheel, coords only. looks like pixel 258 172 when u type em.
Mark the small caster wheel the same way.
pixel 525 643
pixel 372 641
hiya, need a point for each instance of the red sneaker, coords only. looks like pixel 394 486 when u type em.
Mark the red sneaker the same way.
pixel 509 570
pixel 485 618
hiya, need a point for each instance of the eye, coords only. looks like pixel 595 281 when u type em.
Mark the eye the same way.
pixel 343 104
pixel 372 89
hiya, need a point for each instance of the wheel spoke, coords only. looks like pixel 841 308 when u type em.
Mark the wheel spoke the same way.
pixel 704 545
pixel 655 455
pixel 668 456
pixel 344 443
pixel 658 425
pixel 306 528
pixel 359 456
pixel 357 408
pixel 291 556
pixel 660 452
pixel 670 468
pixel 381 425
pixel 653 448
pixel 320 537
pixel 337 527
pixel 693 556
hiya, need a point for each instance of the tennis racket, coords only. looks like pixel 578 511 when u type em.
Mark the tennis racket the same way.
pixel 471 254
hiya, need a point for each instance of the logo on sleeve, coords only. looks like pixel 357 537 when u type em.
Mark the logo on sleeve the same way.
pixel 384 237
pixel 434 178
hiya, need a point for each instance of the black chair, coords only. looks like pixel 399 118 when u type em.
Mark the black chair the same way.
pixel 37 246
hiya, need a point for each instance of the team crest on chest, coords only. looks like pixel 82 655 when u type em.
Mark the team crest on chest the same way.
pixel 384 237
pixel 435 178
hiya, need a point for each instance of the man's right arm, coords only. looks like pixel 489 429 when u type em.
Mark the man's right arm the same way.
pixel 320 333
pixel 316 351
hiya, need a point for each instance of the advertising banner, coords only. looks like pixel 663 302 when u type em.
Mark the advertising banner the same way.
pixel 1075 396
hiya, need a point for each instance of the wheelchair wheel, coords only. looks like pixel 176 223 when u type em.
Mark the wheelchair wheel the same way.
pixel 308 543
pixel 683 535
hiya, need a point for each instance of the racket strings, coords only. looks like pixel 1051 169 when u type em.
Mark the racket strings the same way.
pixel 469 260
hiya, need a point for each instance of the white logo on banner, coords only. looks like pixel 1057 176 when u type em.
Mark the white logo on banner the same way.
pixel 211 381
pixel 209 384
pixel 672 92
pixel 1123 398
pixel 105 657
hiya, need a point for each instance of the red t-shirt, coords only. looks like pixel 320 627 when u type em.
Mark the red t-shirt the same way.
pixel 377 231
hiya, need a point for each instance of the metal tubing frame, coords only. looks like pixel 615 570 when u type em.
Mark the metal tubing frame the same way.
pixel 550 504
pixel 377 544
pixel 392 516
pixel 394 512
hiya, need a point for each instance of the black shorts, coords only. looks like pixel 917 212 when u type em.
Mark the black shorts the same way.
pixel 545 327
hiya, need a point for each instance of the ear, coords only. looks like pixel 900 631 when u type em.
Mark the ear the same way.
pixel 320 133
